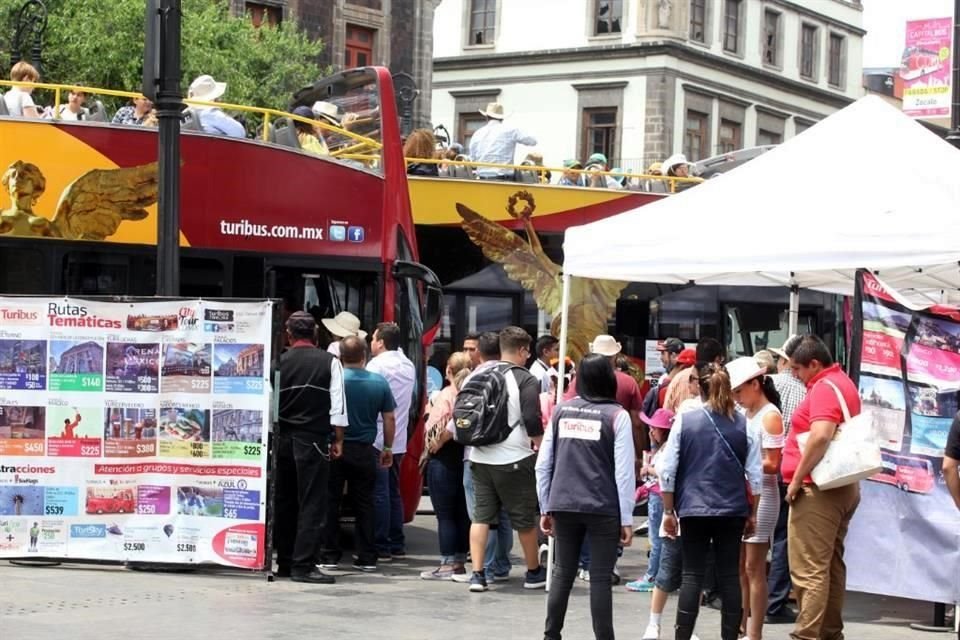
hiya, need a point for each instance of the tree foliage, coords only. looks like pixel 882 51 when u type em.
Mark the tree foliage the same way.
pixel 100 43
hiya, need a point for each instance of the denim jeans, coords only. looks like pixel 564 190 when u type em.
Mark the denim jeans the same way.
pixel 450 505
pixel 496 560
pixel 389 509
pixel 655 516
pixel 571 529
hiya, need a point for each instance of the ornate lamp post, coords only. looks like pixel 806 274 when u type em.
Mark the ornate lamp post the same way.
pixel 30 25
pixel 407 93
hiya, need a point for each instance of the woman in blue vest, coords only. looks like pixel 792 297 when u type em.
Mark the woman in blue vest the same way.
pixel 709 457
pixel 586 485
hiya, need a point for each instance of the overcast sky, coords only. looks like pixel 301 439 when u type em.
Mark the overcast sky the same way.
pixel 885 22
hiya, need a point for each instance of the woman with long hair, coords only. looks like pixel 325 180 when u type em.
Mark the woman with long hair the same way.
pixel 708 456
pixel 444 461
pixel 421 145
pixel 683 386
pixel 754 391
pixel 586 482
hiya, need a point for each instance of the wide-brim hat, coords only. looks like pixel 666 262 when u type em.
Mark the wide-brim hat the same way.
pixel 661 419
pixel 328 111
pixel 605 345
pixel 672 162
pixel 206 89
pixel 344 324
pixel 744 369
pixel 494 110
pixel 780 351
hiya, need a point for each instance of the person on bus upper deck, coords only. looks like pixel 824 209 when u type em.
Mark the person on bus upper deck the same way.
pixel 306 133
pixel 340 326
pixel 213 119
pixel 598 162
pixel 496 143
pixel 135 113
pixel 421 145
pixel 18 99
pixel 572 177
pixel 74 109
pixel 677 166
pixel 654 184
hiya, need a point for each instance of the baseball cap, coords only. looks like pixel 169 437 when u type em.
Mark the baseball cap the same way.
pixel 597 158
pixel 304 112
pixel 673 345
pixel 571 164
pixel 687 357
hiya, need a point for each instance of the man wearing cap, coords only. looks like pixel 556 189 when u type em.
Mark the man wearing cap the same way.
pixel 213 119
pixel 389 361
pixel 340 326
pixel 598 162
pixel 572 176
pixel 670 350
pixel 496 143
pixel 312 404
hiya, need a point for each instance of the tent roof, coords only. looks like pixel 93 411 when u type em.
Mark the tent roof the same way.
pixel 866 187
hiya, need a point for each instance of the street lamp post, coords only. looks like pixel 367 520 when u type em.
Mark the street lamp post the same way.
pixel 31 21
pixel 954 136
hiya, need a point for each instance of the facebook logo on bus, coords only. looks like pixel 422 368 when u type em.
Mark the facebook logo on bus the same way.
pixel 355 234
pixel 338 232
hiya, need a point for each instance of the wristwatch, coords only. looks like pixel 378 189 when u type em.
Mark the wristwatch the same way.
pixel 668 512
pixel 390 449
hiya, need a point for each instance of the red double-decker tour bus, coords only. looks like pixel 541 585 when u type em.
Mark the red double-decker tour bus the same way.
pixel 260 217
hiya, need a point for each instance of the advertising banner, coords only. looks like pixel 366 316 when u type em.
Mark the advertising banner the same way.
pixel 925 68
pixel 134 431
pixel 904 540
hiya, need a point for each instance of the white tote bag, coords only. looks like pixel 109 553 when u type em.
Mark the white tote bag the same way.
pixel 852 455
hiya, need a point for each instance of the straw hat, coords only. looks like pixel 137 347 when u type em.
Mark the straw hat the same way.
pixel 328 111
pixel 743 370
pixel 206 89
pixel 344 324
pixel 494 110
pixel 605 345
pixel 673 161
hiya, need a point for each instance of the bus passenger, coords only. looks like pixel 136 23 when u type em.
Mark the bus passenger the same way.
pixel 134 113
pixel 18 99
pixel 213 119
pixel 420 145
pixel 307 135
pixel 74 109
pixel 496 143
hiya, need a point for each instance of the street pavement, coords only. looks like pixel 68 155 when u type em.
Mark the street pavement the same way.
pixel 102 603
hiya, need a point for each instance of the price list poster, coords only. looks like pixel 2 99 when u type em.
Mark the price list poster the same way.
pixel 134 431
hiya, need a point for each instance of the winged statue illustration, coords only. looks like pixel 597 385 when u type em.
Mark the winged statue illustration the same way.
pixel 592 302
pixel 92 207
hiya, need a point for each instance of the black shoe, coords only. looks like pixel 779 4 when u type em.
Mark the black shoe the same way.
pixel 786 615
pixel 282 572
pixel 314 577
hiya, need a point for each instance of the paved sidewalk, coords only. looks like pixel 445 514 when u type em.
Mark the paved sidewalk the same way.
pixel 97 603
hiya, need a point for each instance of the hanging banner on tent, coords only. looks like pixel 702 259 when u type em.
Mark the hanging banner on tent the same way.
pixel 134 431
pixel 904 540
pixel 925 68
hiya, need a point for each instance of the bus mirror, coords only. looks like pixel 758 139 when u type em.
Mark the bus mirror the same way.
pixel 433 307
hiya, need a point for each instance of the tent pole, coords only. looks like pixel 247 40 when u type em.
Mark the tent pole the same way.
pixel 561 371
pixel 794 314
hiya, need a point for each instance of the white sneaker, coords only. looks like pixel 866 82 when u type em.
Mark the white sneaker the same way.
pixel 584 575
pixel 694 637
pixel 652 632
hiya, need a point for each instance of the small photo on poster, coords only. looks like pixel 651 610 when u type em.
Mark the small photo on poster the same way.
pixel 238 368
pixel 76 365
pixel 21 500
pixel 938 334
pixel 200 501
pixel 184 432
pixel 74 431
pixel 186 368
pixel 932 414
pixel 881 319
pixel 152 323
pixel 23 365
pixel 22 430
pixel 885 402
pixel 130 432
pixel 237 434
pixel 116 497
pixel 133 367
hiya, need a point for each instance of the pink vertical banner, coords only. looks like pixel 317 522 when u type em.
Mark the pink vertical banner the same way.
pixel 926 68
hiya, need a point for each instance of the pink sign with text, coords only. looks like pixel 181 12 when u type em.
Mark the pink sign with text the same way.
pixel 925 68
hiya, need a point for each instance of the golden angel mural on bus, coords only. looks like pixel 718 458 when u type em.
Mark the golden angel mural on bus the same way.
pixel 92 207
pixel 592 302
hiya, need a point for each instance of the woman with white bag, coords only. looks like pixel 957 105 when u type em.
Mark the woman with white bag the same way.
pixel 818 518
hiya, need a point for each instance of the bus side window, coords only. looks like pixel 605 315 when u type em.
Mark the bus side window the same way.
pixel 22 271
pixel 202 278
pixel 94 273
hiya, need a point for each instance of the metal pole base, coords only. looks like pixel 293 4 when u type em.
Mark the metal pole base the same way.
pixel 939 621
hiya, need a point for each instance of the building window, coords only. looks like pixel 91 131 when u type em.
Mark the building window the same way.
pixel 358 48
pixel 731 136
pixel 808 51
pixel 483 21
pixel 599 132
pixel 731 26
pixel 695 138
pixel 765 137
pixel 698 20
pixel 771 38
pixel 467 125
pixel 608 15
pixel 264 14
pixel 835 75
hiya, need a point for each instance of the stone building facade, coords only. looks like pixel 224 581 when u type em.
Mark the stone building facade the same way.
pixel 641 79
pixel 397 34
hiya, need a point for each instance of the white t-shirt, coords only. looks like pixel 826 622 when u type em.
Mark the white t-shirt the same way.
pixel 517 445
pixel 17 100
pixel 66 114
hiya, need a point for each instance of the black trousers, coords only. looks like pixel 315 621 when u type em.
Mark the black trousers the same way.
pixel 357 470
pixel 699 536
pixel 778 582
pixel 570 530
pixel 303 471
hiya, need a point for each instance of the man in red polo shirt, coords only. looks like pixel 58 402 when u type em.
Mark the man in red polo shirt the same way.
pixel 818 519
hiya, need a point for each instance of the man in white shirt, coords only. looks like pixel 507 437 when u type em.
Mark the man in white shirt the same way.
pixel 496 142
pixel 401 375
pixel 546 349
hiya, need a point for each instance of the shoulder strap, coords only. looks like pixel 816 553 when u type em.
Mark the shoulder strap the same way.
pixel 840 398
pixel 724 439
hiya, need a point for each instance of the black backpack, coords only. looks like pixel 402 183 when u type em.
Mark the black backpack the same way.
pixel 480 412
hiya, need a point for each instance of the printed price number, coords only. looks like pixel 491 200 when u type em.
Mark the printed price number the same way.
pixel 144 448
pixel 255 385
pixel 33 447
pixel 87 382
pixel 146 509
pixel 202 385
pixel 251 450
pixel 230 513
pixel 187 548
pixel 196 450
pixel 53 510
pixel 90 450
pixel 134 546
